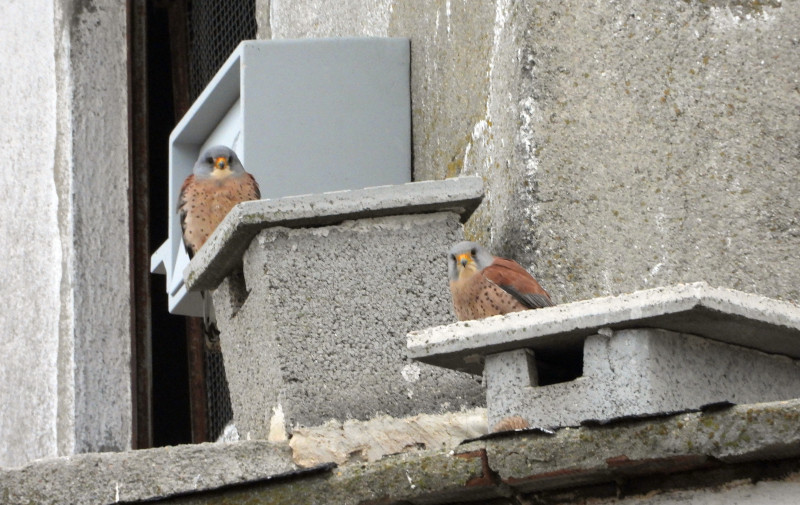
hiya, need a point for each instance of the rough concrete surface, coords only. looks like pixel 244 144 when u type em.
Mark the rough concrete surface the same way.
pixel 756 442
pixel 418 477
pixel 624 144
pixel 666 139
pixel 31 263
pixel 66 366
pixel 639 372
pixel 140 476
pixel 288 19
pixel 725 315
pixel 320 333
pixel 767 431
pixel 691 456
pixel 99 168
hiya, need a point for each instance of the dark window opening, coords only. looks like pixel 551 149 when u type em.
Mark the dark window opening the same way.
pixel 171 423
pixel 176 47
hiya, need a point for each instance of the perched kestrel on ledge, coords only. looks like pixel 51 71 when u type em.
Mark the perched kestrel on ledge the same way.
pixel 218 182
pixel 483 285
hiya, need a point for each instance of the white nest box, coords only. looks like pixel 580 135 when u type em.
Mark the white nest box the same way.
pixel 305 116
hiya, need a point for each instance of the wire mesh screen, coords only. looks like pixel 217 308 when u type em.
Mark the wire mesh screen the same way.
pixel 215 29
pixel 218 397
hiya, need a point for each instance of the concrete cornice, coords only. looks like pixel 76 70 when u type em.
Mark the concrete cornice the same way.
pixel 499 465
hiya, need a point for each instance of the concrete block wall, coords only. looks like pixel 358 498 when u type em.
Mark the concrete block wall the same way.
pixel 315 330
pixel 624 145
pixel 638 372
pixel 651 352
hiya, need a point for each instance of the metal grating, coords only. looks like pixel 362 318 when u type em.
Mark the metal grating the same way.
pixel 218 397
pixel 215 29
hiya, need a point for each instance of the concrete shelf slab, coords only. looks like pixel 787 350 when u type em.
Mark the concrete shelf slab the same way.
pixel 726 315
pixel 644 353
pixel 225 247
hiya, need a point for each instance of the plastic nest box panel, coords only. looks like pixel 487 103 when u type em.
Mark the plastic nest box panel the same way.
pixel 305 116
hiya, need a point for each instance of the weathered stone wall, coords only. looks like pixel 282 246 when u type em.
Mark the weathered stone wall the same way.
pixel 29 235
pixel 101 264
pixel 624 145
pixel 64 277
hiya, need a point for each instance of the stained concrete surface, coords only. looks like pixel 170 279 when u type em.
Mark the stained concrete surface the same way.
pixel 66 370
pixel 743 452
pixel 660 446
pixel 103 405
pixel 635 373
pixel 140 476
pixel 354 441
pixel 624 145
pixel 316 328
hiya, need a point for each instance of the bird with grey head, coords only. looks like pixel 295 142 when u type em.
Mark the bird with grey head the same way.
pixel 217 183
pixel 484 285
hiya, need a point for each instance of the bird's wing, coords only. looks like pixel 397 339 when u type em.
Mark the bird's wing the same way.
pixel 256 191
pixel 517 282
pixel 182 209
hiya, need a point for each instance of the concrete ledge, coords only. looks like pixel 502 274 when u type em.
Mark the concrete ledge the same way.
pixel 725 315
pixel 138 476
pixel 523 464
pixel 225 247
pixel 677 443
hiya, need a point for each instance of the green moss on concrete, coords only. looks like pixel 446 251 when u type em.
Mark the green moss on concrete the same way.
pixel 526 462
pixel 741 433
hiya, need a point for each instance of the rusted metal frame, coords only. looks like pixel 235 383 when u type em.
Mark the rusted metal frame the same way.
pixel 139 213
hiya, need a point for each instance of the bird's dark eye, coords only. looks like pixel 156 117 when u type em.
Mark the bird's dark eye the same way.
pixel 453 257
pixel 210 160
pixel 474 252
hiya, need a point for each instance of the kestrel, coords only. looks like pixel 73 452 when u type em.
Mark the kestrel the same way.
pixel 218 182
pixel 483 285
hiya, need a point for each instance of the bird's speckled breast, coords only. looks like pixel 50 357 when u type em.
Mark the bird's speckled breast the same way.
pixel 476 297
pixel 208 201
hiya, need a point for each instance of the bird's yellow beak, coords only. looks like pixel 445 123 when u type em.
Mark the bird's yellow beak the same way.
pixel 221 163
pixel 464 260
pixel 221 168
pixel 465 266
